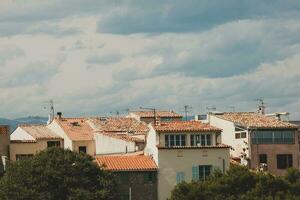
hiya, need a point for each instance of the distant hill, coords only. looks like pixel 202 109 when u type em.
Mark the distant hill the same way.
pixel 13 123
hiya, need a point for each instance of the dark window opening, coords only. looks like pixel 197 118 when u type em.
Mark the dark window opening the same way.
pixel 263 158
pixel 204 171
pixel 149 177
pixel 82 149
pixel 53 144
pixel 23 156
pixel 284 161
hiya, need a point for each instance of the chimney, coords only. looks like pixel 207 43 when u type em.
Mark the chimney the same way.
pixel 59 114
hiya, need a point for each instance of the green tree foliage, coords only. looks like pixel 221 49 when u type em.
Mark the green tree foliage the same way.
pixel 239 183
pixel 56 174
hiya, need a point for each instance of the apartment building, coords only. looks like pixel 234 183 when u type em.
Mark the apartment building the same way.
pixel 136 175
pixel 187 151
pixel 259 141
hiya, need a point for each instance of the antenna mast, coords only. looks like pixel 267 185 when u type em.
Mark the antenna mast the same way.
pixel 51 111
pixel 261 106
pixel 186 110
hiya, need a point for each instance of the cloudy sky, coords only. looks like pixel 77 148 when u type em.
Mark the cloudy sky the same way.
pixel 93 57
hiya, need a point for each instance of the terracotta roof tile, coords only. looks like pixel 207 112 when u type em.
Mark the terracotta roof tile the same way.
pixel 158 114
pixel 40 132
pixel 120 125
pixel 77 129
pixel 127 163
pixel 185 126
pixel 255 120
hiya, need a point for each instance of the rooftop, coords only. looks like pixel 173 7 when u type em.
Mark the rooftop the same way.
pixel 127 163
pixel 158 114
pixel 185 126
pixel 255 120
pixel 77 129
pixel 120 125
pixel 40 132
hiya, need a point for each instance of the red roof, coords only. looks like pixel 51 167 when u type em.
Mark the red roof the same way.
pixel 126 162
pixel 77 129
pixel 185 126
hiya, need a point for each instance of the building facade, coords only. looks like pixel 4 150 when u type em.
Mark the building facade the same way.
pixel 188 151
pixel 160 116
pixel 136 175
pixel 258 141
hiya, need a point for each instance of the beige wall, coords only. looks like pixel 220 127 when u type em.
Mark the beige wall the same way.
pixel 172 161
pixel 90 146
pixel 28 148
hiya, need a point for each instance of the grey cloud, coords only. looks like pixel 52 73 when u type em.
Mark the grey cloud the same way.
pixel 8 53
pixel 104 59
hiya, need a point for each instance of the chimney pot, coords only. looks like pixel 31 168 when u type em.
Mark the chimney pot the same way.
pixel 59 114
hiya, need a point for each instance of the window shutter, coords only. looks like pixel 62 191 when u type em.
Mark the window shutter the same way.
pixel 195 173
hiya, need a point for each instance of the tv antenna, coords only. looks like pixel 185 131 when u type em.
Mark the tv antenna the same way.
pixel 261 106
pixel 187 109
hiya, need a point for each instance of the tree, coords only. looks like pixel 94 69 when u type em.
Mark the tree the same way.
pixel 56 174
pixel 239 183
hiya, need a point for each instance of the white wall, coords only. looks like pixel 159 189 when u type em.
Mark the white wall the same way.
pixel 150 148
pixel 20 134
pixel 55 127
pixel 110 145
pixel 228 136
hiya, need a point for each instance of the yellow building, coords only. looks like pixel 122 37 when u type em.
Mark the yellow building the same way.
pixel 187 151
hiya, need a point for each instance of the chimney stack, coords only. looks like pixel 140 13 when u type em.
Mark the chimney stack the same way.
pixel 59 114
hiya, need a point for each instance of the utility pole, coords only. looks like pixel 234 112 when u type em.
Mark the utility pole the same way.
pixel 154 113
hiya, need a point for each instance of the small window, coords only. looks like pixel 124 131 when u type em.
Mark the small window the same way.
pixel 149 177
pixel 53 144
pixel 82 149
pixel 237 135
pixel 243 134
pixel 263 158
pixel 284 161
pixel 180 177
pixel 204 171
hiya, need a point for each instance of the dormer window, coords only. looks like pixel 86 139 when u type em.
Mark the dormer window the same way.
pixel 201 140
pixel 175 140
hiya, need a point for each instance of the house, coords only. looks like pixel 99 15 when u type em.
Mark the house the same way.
pixel 259 141
pixel 136 175
pixel 28 140
pixel 187 151
pixel 148 116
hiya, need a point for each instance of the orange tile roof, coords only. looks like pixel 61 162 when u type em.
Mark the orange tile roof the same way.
pixel 77 129
pixel 255 120
pixel 158 114
pixel 40 132
pixel 219 146
pixel 185 126
pixel 4 129
pixel 121 124
pixel 122 137
pixel 127 163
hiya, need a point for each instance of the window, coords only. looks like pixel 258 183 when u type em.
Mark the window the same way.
pixel 284 161
pixel 82 149
pixel 201 140
pixel 53 144
pixel 180 177
pixel 174 140
pixel 201 172
pixel 149 177
pixel 273 137
pixel 23 156
pixel 204 171
pixel 263 158
pixel 239 135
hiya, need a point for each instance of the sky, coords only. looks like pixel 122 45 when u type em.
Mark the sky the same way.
pixel 96 57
